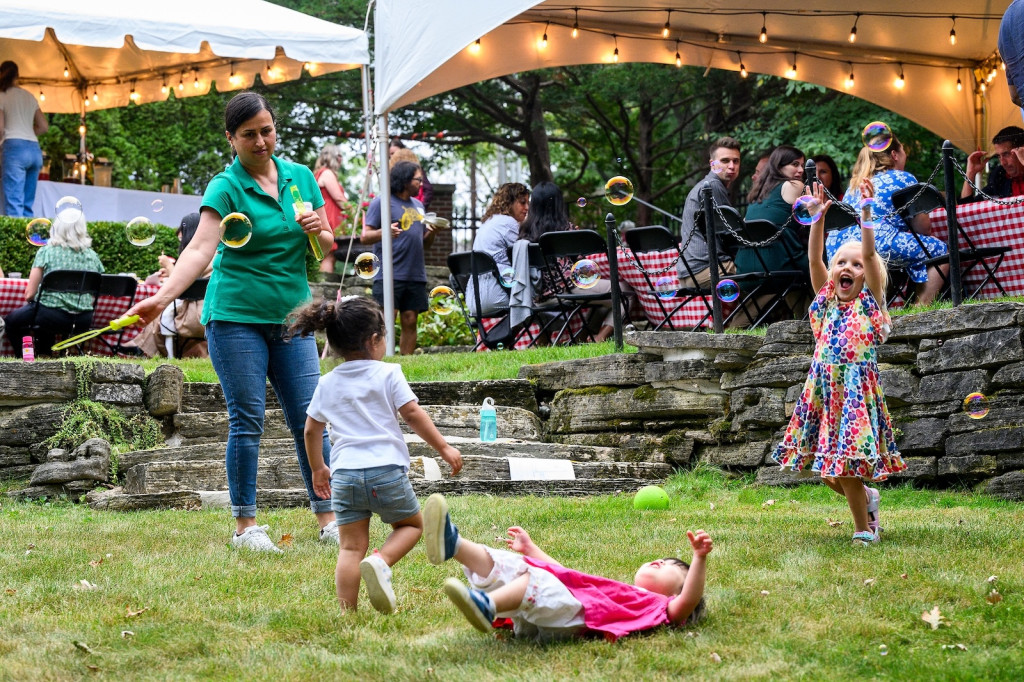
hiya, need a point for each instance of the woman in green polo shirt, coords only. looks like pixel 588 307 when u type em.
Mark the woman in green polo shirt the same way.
pixel 251 291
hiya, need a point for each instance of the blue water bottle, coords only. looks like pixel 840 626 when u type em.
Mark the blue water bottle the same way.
pixel 488 422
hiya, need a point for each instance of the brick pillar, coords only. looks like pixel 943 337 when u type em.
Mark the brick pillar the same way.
pixel 441 204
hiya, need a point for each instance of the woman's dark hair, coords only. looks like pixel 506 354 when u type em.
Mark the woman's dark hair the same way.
pixel 401 176
pixel 244 106
pixel 187 230
pixel 836 188
pixel 350 323
pixel 396 142
pixel 698 611
pixel 772 176
pixel 8 72
pixel 547 212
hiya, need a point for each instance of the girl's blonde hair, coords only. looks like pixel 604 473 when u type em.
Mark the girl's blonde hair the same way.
pixel 72 235
pixel 330 157
pixel 871 162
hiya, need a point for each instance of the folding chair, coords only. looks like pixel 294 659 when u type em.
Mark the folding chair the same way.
pixel 774 283
pixel 466 267
pixel 923 198
pixel 558 248
pixel 81 282
pixel 658 238
pixel 122 287
pixel 194 293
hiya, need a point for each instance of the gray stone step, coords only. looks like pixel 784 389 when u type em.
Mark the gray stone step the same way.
pixel 200 397
pixel 118 500
pixel 284 447
pixel 452 420
pixel 283 472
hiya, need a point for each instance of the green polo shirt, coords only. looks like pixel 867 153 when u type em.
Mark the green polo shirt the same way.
pixel 264 280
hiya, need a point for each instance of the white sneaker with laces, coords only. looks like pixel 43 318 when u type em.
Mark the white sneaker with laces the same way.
pixel 256 539
pixel 377 576
pixel 329 534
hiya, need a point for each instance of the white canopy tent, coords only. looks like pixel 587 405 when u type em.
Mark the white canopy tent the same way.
pixel 77 56
pixel 955 90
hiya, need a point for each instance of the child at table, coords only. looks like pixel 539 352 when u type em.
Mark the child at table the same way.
pixel 361 400
pixel 546 601
pixel 840 428
pixel 53 313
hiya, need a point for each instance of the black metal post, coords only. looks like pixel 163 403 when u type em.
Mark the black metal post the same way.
pixel 712 238
pixel 810 173
pixel 613 276
pixel 952 225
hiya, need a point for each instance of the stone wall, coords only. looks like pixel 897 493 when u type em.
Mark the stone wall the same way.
pixel 684 398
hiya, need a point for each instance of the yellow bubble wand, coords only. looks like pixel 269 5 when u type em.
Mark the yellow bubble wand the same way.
pixel 115 325
pixel 314 243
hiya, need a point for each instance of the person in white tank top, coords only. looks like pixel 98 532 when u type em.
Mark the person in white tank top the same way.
pixel 21 122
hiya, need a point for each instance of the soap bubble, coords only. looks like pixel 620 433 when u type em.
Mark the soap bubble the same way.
pixel 409 216
pixel 38 232
pixel 727 291
pixel 877 136
pixel 442 299
pixel 235 230
pixel 585 273
pixel 667 286
pixel 157 205
pixel 68 209
pixel 976 405
pixel 618 190
pixel 806 210
pixel 367 265
pixel 717 167
pixel 581 202
pixel 508 276
pixel 501 346
pixel 140 231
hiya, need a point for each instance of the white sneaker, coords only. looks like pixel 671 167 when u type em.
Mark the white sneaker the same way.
pixel 256 539
pixel 329 534
pixel 377 576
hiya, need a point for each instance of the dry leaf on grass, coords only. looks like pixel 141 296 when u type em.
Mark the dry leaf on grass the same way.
pixel 27 552
pixel 31 545
pixel 903 575
pixel 9 591
pixel 129 613
pixel 125 634
pixel 868 582
pixel 992 578
pixel 712 504
pixel 765 593
pixel 95 562
pixel 93 668
pixel 81 646
pixel 961 647
pixel 767 503
pixel 285 541
pixel 715 658
pixel 934 618
pixel 198 577
pixel 994 597
pixel 84 585
pixel 833 524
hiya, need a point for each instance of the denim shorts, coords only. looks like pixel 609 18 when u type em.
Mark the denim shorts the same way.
pixel 385 491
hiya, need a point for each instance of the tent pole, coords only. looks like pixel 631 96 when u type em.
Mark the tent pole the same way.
pixel 384 176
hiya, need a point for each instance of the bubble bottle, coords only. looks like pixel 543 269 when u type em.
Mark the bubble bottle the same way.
pixel 314 243
pixel 488 422
pixel 28 352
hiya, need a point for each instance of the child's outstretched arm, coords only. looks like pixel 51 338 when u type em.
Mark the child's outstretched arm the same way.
pixel 873 265
pixel 313 435
pixel 520 541
pixel 816 241
pixel 419 421
pixel 680 608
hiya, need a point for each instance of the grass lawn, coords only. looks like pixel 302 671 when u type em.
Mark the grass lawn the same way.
pixel 788 596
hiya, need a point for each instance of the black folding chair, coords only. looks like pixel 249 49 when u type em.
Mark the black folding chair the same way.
pixel 81 282
pixel 466 267
pixel 923 198
pixel 558 249
pixel 772 286
pixel 658 238
pixel 194 293
pixel 121 287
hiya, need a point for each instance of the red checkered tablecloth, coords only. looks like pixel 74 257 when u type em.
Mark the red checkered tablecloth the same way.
pixel 990 224
pixel 12 296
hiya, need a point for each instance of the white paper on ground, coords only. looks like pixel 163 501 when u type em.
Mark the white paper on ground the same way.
pixel 533 469
pixel 431 471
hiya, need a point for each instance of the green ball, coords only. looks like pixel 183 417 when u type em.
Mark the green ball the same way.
pixel 650 497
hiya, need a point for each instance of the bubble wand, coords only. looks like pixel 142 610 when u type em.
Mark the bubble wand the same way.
pixel 314 243
pixel 115 325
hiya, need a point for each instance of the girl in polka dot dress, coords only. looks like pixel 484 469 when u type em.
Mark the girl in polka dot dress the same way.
pixel 840 428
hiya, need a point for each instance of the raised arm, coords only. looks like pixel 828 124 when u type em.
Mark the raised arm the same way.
pixel 816 241
pixel 874 268
pixel 683 604
pixel 520 541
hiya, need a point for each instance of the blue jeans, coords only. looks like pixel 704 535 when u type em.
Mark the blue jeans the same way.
pixel 22 162
pixel 244 357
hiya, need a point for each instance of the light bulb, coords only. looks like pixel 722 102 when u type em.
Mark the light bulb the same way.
pixel 959 85
pixel 474 47
pixel 163 88
pixel 952 37
pixel 67 72
pixel 743 70
pixel 81 128
pixel 764 28
pixel 853 35
pixel 679 59
pixel 849 81
pixel 96 95
pixel 42 97
pixel 615 56
pixel 899 82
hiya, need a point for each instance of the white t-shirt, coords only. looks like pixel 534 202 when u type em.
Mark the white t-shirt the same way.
pixel 19 107
pixel 360 400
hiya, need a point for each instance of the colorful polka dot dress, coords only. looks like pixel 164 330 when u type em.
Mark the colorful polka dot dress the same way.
pixel 840 426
